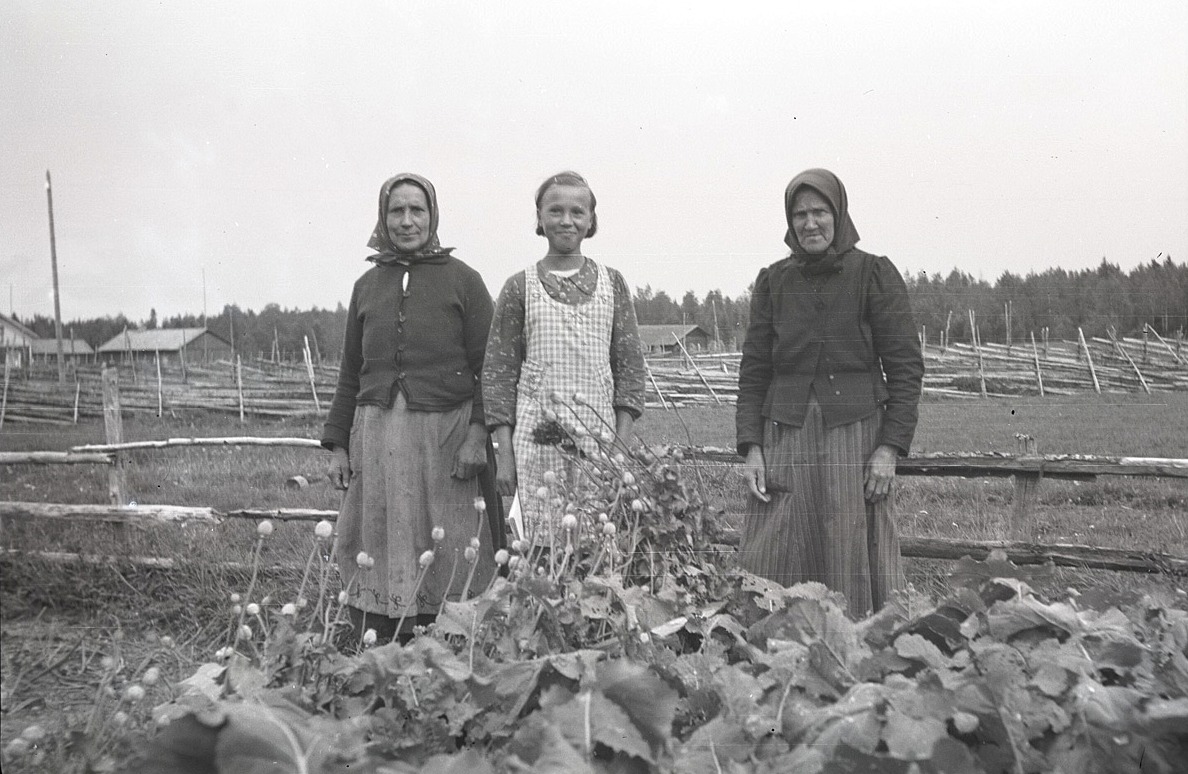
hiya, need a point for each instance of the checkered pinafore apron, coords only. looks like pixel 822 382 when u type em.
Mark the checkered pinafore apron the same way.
pixel 568 352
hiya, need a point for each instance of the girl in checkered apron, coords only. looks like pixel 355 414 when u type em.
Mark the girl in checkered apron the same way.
pixel 565 342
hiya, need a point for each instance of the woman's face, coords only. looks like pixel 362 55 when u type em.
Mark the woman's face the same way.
pixel 812 221
pixel 408 217
pixel 565 217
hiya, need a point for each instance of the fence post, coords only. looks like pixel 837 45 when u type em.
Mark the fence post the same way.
pixel 1022 526
pixel 1089 360
pixel 113 429
pixel 239 385
pixel 4 399
pixel 160 387
pixel 1039 374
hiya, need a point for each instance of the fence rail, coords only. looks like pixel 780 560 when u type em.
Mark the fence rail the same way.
pixel 1027 467
pixel 267 389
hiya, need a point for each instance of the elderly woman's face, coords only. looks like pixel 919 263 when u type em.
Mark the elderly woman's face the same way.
pixel 408 217
pixel 812 221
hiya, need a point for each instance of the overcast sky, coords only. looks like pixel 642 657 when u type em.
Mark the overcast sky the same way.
pixel 249 139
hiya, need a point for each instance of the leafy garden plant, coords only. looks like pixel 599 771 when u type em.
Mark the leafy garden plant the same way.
pixel 619 637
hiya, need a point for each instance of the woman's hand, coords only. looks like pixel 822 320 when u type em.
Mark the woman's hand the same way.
pixel 340 468
pixel 505 461
pixel 755 473
pixel 880 472
pixel 472 455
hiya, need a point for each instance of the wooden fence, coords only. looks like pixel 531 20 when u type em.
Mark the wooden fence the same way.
pixel 274 389
pixel 1027 467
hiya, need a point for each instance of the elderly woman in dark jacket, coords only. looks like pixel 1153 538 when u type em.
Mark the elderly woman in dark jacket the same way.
pixel 407 428
pixel 828 392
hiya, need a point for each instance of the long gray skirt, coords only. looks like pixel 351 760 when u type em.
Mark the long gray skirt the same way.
pixel 400 489
pixel 818 525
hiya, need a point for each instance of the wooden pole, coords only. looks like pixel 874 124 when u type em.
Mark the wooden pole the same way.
pixel 1122 352
pixel 131 357
pixel 973 334
pixel 1144 344
pixel 1170 351
pixel 698 370
pixel 1026 485
pixel 1089 359
pixel 948 321
pixel 275 345
pixel 239 385
pixel 1039 374
pixel 656 387
pixel 313 386
pixel 77 395
pixel 4 399
pixel 1007 314
pixel 181 356
pixel 204 354
pixel 317 350
pixel 160 389
pixel 113 430
pixel 49 199
pixel 717 339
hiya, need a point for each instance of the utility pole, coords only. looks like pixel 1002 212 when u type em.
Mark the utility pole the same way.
pixel 204 336
pixel 49 198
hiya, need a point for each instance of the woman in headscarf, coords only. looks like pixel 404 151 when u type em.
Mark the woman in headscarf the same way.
pixel 406 428
pixel 828 393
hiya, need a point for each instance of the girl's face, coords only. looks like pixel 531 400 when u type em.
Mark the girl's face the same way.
pixel 565 217
pixel 408 217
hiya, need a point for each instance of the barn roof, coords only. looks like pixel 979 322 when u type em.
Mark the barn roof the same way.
pixel 69 347
pixel 657 335
pixel 158 339
pixel 25 329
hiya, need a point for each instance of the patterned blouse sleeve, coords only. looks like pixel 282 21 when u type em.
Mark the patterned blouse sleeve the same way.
pixel 505 354
pixel 626 351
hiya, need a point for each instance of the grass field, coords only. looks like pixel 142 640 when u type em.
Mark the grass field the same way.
pixel 60 621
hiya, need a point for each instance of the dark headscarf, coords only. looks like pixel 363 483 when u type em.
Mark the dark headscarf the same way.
pixel 380 239
pixel 845 235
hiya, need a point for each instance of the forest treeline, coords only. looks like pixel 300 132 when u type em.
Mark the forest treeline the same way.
pixel 1095 300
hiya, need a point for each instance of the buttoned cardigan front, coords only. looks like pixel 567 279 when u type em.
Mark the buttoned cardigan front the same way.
pixel 847 337
pixel 425 337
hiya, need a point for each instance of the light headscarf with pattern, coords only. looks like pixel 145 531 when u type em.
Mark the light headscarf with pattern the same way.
pixel 387 251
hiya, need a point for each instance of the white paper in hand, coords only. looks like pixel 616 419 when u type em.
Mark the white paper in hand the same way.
pixel 516 518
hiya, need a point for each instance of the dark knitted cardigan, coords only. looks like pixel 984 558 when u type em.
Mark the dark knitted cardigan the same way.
pixel 427 341
pixel 847 335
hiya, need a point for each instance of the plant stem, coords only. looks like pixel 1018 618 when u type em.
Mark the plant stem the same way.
pixel 449 584
pixel 416 589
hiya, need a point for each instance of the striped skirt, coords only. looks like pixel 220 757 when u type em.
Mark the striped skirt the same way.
pixel 818 525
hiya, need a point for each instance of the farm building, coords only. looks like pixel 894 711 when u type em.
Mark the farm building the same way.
pixel 658 339
pixel 73 349
pixel 15 340
pixel 196 345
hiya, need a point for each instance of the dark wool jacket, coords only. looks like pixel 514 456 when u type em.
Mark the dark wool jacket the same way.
pixel 848 336
pixel 427 341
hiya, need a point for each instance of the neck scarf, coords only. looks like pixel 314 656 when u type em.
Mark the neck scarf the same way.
pixel 388 254
pixel 845 234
